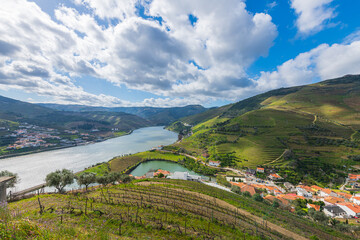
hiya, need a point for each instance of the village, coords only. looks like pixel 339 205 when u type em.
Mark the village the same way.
pixel 32 136
pixel 334 203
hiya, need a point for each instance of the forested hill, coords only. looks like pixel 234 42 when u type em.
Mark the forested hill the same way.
pixel 308 127
pixel 21 112
pixel 157 116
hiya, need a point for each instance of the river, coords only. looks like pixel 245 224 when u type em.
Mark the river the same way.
pixel 33 168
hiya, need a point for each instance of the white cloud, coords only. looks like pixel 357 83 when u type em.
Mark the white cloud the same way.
pixel 313 15
pixel 323 62
pixel 107 9
pixel 42 56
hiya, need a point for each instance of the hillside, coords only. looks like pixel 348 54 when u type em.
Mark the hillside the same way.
pixel 156 209
pixel 158 116
pixel 308 127
pixel 18 111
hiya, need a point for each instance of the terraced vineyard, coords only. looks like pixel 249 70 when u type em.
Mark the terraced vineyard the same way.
pixel 317 123
pixel 166 209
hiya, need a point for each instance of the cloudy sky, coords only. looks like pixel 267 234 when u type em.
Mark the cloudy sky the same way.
pixel 171 53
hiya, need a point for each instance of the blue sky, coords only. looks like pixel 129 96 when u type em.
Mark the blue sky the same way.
pixel 166 53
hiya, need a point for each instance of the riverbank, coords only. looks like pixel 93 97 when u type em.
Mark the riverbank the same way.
pixel 60 147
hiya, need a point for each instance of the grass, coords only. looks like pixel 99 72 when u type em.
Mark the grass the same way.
pixel 99 169
pixel 119 134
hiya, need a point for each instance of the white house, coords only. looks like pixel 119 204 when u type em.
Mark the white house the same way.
pixel 334 211
pixel 214 163
pixel 184 176
pixel 351 209
pixel 355 200
pixel 302 192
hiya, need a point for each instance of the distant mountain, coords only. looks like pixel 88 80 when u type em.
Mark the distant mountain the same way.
pixel 314 129
pixel 158 116
pixel 18 111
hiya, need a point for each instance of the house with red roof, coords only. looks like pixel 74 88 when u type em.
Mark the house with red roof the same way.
pixel 275 177
pixel 333 200
pixel 355 200
pixel 163 172
pixel 343 195
pixel 351 209
pixel 354 177
pixel 314 206
pixel 260 170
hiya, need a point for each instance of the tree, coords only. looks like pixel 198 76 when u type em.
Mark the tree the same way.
pixel 86 178
pixel 59 179
pixel 275 204
pixel 257 197
pixel 104 180
pixel 247 194
pixel 13 181
pixel 236 189
pixel 124 178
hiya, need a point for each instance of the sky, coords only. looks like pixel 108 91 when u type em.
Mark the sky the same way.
pixel 171 53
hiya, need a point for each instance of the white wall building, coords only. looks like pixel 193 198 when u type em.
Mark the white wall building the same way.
pixel 302 192
pixel 334 211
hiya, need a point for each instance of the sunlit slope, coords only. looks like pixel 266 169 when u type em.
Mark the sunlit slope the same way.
pixel 317 122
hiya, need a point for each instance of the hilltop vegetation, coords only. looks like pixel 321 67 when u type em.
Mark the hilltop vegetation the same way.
pixel 160 209
pixel 310 129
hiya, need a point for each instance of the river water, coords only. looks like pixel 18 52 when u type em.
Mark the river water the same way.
pixel 33 168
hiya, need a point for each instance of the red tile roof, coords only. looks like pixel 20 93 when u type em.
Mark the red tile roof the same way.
pixel 314 206
pixel 333 200
pixel 353 207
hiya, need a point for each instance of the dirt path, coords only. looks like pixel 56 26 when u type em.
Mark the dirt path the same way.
pixel 257 219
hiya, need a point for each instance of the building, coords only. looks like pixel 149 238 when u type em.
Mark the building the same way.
pixel 275 177
pixel 184 176
pixel 333 200
pixel 345 196
pixel 355 200
pixel 314 206
pixel 214 163
pixel 353 177
pixel 334 211
pixel 260 170
pixel 289 187
pixel 163 172
pixel 303 193
pixel 3 181
pixel 326 193
pixel 351 209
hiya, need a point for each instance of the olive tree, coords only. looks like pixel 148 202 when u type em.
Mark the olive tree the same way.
pixel 86 178
pixel 59 179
